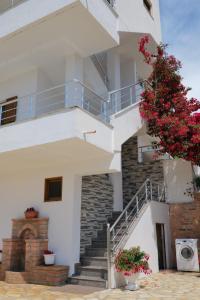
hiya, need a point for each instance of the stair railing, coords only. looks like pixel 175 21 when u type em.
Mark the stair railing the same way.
pixel 124 97
pixel 98 60
pixel 116 234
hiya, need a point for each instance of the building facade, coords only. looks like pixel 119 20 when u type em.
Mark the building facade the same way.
pixel 73 144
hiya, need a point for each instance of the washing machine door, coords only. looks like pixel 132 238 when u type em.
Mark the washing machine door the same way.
pixel 186 253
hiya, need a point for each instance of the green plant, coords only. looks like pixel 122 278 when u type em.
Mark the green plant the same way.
pixel 132 261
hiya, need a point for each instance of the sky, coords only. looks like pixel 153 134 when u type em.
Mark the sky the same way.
pixel 180 20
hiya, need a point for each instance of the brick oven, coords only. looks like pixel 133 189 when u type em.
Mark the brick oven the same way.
pixel 22 260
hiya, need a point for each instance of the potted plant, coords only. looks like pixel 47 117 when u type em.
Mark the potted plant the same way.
pixel 31 213
pixel 1 252
pixel 49 258
pixel 131 263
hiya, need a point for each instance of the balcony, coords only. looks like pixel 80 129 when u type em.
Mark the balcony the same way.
pixel 9 4
pixel 69 122
pixel 71 94
pixel 62 122
pixel 85 25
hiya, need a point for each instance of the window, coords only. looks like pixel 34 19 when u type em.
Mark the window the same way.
pixel 53 189
pixel 148 5
pixel 9 111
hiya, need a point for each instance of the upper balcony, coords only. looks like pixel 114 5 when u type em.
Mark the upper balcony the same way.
pixel 89 26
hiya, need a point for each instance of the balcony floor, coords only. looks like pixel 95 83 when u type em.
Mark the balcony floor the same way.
pixel 69 137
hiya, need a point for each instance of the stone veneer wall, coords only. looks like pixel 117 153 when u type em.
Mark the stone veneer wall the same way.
pixel 185 222
pixel 134 173
pixel 96 206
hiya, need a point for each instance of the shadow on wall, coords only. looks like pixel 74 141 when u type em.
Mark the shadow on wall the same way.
pixel 135 173
pixel 178 176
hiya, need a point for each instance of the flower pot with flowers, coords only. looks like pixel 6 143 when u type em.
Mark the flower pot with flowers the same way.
pixel 31 213
pixel 131 263
pixel 49 258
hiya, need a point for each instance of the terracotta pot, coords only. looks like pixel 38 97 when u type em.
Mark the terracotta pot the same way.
pixel 31 214
pixel 131 282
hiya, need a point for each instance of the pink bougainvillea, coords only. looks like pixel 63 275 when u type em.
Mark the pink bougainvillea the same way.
pixel 169 114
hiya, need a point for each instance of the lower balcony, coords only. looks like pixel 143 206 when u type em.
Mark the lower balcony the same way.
pixel 69 137
pixel 71 94
pixel 62 124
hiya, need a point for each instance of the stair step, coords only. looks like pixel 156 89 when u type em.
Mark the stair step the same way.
pixel 96 252
pixel 94 261
pixel 88 281
pixel 93 271
pixel 99 243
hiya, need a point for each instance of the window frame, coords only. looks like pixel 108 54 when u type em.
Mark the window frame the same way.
pixel 46 189
pixel 13 101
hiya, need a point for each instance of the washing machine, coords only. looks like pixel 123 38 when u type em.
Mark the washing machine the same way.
pixel 187 255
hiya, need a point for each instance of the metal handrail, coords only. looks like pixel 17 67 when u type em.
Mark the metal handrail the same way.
pixel 123 88
pixel 124 97
pixel 141 82
pixel 117 232
pixel 127 207
pixel 69 94
pixel 54 88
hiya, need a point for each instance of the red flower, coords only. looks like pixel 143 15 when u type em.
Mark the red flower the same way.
pixel 170 116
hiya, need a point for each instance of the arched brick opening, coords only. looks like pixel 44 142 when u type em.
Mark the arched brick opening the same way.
pixel 27 232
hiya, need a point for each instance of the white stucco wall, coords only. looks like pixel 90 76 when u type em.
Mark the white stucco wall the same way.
pixel 144 235
pixel 20 85
pixel 92 79
pixel 26 189
pixel 134 17
pixel 116 179
pixel 178 178
pixel 68 124
pixel 126 123
pixel 25 85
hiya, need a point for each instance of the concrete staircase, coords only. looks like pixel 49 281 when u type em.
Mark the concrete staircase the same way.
pixel 93 268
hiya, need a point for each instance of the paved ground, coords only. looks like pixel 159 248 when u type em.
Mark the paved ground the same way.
pixel 168 286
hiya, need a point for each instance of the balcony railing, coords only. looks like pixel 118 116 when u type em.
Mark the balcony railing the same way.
pixel 8 4
pixel 124 97
pixel 73 93
pixel 70 94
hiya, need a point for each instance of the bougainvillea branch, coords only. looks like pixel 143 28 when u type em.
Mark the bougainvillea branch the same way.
pixel 170 115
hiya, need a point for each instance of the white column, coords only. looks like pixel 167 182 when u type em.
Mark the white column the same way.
pixel 76 220
pixel 114 76
pixel 74 91
pixel 113 67
pixel 71 225
pixel 116 179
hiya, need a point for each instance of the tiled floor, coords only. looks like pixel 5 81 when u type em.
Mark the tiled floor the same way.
pixel 182 286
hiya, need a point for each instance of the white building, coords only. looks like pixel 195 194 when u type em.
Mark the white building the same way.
pixel 70 123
